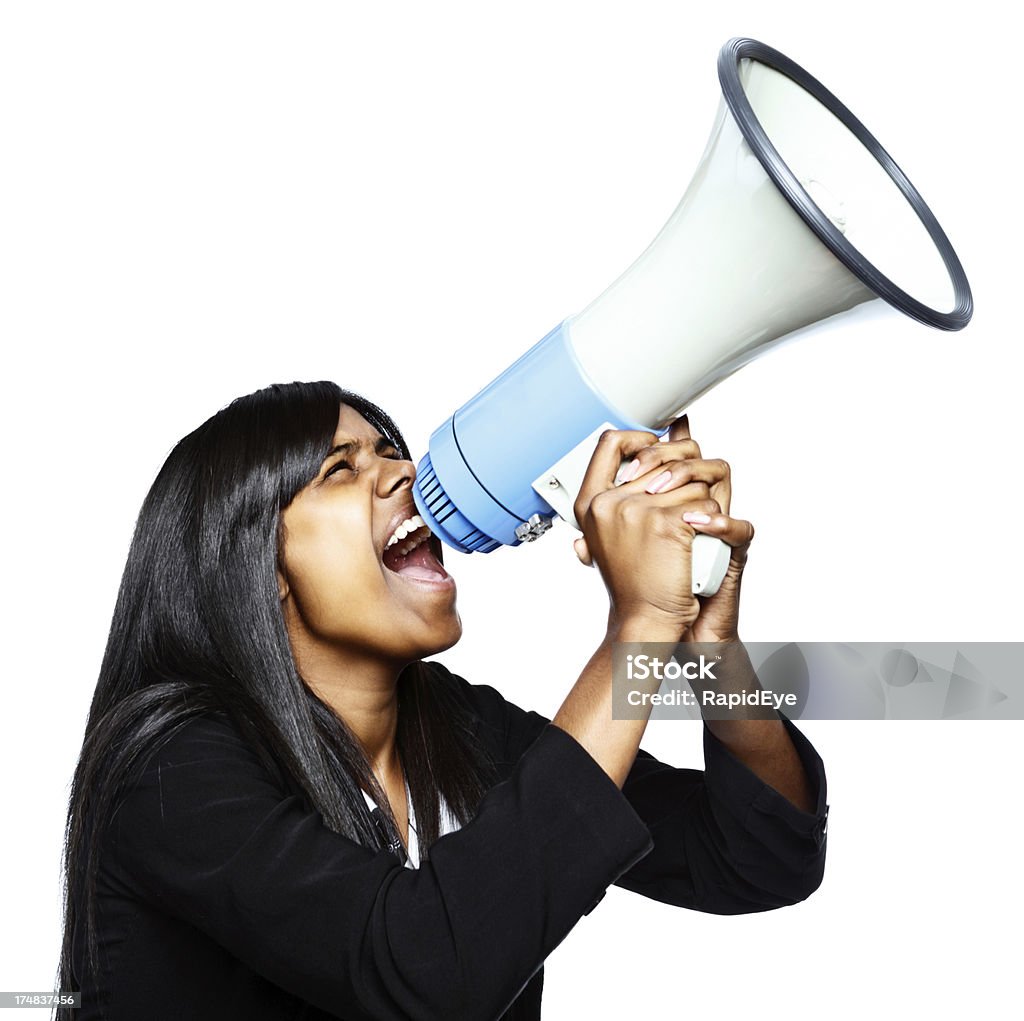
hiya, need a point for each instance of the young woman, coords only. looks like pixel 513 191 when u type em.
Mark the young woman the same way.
pixel 282 810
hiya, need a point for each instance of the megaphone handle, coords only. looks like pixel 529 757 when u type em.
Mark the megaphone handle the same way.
pixel 710 558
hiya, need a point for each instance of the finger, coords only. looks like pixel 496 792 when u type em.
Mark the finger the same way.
pixel 649 458
pixel 722 492
pixel 734 531
pixel 676 474
pixel 703 505
pixel 614 446
pixel 680 428
pixel 688 493
pixel 583 552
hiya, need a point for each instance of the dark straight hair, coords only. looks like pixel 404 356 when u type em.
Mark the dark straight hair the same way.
pixel 198 628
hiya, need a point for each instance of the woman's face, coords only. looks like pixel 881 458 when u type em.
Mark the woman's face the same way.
pixel 347 589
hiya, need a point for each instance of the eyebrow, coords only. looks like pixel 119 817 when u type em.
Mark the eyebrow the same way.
pixel 382 444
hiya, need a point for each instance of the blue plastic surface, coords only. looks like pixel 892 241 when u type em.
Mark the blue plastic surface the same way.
pixel 474 487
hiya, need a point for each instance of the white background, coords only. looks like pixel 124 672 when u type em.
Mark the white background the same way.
pixel 199 199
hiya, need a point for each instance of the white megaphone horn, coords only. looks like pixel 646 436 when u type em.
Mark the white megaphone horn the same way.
pixel 795 214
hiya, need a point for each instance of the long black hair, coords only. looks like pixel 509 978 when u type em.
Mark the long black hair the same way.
pixel 198 628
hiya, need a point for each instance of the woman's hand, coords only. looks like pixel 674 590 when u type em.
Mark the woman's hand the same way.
pixel 633 527
pixel 718 620
pixel 635 530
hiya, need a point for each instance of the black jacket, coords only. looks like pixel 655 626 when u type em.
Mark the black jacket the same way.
pixel 221 897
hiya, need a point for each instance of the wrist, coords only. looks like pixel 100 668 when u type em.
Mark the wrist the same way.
pixel 711 636
pixel 644 628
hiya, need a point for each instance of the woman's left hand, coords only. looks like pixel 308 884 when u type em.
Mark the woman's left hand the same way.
pixel 718 620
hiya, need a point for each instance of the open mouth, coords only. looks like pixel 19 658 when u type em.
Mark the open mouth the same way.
pixel 413 552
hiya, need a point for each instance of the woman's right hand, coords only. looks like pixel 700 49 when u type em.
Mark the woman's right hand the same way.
pixel 638 538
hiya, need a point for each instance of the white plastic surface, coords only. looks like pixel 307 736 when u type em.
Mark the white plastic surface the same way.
pixel 878 220
pixel 733 271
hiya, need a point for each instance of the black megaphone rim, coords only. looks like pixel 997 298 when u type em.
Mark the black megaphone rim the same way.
pixel 729 58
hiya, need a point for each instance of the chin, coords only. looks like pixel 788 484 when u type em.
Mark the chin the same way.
pixel 443 638
pixel 450 639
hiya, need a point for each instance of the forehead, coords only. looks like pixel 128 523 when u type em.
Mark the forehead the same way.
pixel 352 426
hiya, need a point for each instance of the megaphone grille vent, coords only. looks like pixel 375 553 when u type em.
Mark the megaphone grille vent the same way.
pixel 443 517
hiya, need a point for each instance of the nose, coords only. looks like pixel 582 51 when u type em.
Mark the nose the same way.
pixel 394 476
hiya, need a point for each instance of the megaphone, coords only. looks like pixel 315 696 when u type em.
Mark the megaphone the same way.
pixel 796 214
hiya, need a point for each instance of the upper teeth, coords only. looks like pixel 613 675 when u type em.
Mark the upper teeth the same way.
pixel 414 528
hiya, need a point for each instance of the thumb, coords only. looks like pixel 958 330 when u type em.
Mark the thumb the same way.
pixel 583 552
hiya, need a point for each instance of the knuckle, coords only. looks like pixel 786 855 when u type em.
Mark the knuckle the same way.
pixel 634 511
pixel 608 436
pixel 601 504
pixel 723 467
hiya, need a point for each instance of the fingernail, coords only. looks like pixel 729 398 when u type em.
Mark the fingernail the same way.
pixel 695 518
pixel 660 482
pixel 627 472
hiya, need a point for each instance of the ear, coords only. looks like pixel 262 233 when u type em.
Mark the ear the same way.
pixel 283 588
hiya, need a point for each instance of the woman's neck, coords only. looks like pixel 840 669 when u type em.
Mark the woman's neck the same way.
pixel 364 694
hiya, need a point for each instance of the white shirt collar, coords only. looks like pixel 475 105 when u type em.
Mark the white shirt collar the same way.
pixel 448 825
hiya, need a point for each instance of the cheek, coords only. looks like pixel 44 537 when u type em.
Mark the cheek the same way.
pixel 333 580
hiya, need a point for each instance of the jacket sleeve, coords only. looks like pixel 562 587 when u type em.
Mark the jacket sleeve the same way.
pixel 208 836
pixel 725 841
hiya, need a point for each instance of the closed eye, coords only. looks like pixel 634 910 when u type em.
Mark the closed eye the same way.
pixel 337 466
pixel 390 454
